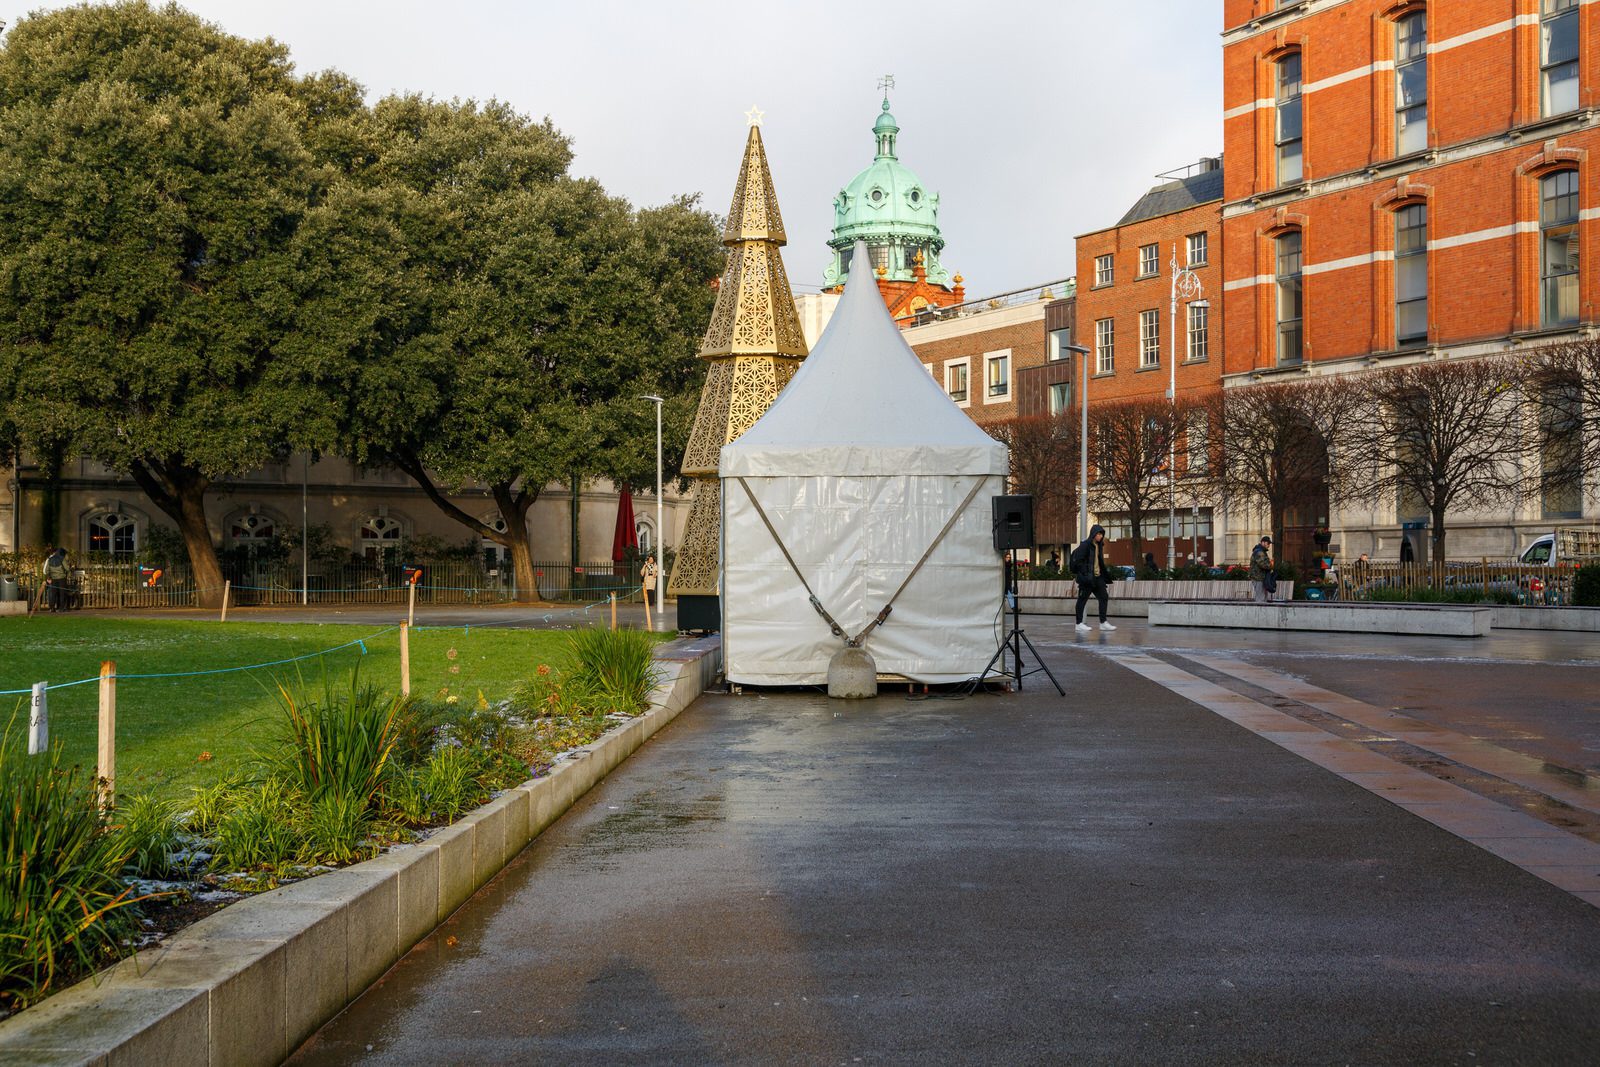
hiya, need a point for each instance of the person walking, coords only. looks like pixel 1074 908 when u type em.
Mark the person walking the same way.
pixel 54 572
pixel 1088 563
pixel 1261 570
pixel 648 574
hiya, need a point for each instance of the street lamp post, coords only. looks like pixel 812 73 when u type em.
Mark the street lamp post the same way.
pixel 1185 283
pixel 661 531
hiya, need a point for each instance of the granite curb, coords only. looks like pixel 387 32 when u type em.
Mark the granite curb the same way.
pixel 248 984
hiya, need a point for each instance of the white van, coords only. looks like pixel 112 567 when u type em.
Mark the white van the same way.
pixel 1562 546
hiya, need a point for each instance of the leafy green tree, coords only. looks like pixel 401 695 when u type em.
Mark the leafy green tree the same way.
pixel 154 173
pixel 497 318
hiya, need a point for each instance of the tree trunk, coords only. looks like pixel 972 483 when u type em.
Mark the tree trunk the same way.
pixel 180 491
pixel 513 505
pixel 514 511
pixel 1438 537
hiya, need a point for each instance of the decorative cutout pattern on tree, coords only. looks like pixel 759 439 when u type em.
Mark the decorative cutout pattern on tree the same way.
pixel 710 431
pixel 694 570
pixel 754 215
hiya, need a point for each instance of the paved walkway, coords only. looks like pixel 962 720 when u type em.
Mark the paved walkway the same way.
pixel 1123 875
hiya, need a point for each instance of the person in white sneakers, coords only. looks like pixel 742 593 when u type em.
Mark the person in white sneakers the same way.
pixel 1089 568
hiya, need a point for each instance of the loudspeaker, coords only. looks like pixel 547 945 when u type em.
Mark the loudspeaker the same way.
pixel 1013 522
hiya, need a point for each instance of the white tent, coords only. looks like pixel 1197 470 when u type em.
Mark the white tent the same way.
pixel 858 467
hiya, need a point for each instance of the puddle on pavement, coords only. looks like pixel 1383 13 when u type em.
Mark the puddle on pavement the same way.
pixel 646 821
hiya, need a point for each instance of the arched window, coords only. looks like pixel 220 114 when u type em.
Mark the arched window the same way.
pixel 1558 248
pixel 1411 83
pixel 645 530
pixel 1287 140
pixel 1290 302
pixel 380 536
pixel 494 553
pixel 1411 274
pixel 252 530
pixel 114 532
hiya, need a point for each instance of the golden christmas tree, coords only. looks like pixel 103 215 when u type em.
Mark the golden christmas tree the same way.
pixel 754 344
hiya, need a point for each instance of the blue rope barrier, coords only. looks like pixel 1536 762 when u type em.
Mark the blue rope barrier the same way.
pixel 360 642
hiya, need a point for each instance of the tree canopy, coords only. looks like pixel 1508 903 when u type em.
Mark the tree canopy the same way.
pixel 154 172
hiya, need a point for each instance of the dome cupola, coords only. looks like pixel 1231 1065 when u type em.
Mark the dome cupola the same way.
pixel 889 208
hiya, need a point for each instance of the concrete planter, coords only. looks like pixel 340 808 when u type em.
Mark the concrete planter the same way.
pixel 250 983
pixel 1131 600
pixel 1336 617
pixel 1578 620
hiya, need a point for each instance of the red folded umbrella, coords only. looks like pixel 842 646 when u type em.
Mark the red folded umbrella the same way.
pixel 627 536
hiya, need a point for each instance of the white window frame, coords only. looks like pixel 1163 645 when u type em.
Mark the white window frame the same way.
pixel 1197 242
pixel 1058 340
pixel 1199 333
pixel 1551 12
pixel 1149 339
pixel 989 360
pixel 965 365
pixel 1105 346
pixel 931 372
pixel 1055 391
pixel 1149 260
pixel 1105 270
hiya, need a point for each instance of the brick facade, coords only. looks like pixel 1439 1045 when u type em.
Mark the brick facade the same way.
pixel 1131 294
pixel 1432 232
pixel 972 341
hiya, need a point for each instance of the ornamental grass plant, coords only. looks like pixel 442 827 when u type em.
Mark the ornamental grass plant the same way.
pixel 614 667
pixel 63 904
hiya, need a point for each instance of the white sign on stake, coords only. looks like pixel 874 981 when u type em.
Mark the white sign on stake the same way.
pixel 38 721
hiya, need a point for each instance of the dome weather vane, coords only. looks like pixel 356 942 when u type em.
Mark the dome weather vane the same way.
pixel 886 83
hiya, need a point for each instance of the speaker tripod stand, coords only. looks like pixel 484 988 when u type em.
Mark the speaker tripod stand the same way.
pixel 1014 641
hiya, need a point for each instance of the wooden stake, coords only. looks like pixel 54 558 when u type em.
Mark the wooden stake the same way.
pixel 227 588
pixel 613 611
pixel 107 773
pixel 645 591
pixel 405 659
pixel 411 607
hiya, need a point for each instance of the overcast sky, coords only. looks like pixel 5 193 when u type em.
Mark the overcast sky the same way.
pixel 1033 121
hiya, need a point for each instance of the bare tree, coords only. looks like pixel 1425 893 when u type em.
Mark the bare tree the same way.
pixel 1281 443
pixel 1044 464
pixel 1561 383
pixel 1130 445
pixel 1447 435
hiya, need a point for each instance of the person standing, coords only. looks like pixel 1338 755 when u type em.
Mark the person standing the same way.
pixel 648 574
pixel 1088 562
pixel 1261 569
pixel 54 572
pixel 1407 553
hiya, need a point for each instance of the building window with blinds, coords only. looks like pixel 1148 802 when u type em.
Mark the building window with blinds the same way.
pixel 1411 275
pixel 1558 56
pixel 1411 83
pixel 1290 162
pixel 1291 308
pixel 1558 248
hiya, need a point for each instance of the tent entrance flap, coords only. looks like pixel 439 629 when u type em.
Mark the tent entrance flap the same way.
pixel 877 620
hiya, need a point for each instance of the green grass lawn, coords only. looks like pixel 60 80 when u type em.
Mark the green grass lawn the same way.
pixel 174 733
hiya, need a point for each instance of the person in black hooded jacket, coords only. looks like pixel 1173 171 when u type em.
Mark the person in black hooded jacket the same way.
pixel 1089 568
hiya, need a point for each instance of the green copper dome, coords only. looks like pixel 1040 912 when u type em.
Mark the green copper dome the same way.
pixel 889 208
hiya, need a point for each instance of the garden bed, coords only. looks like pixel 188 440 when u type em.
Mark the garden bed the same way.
pixel 247 985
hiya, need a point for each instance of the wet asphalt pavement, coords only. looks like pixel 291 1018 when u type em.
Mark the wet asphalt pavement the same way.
pixel 1118 876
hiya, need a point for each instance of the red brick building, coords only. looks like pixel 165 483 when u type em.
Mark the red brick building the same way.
pixel 977 350
pixel 1407 180
pixel 1125 317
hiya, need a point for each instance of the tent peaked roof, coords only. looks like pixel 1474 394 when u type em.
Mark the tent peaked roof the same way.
pixel 862 404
